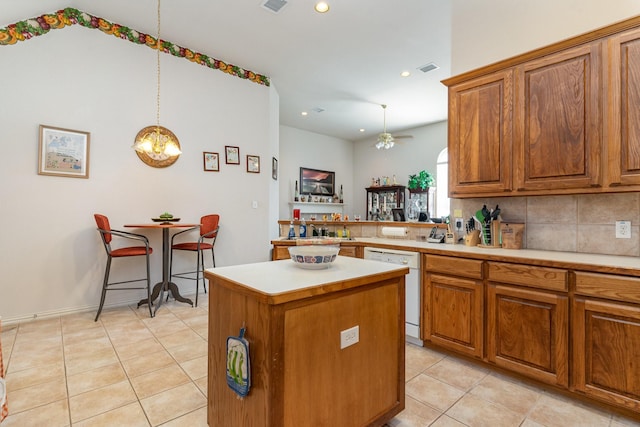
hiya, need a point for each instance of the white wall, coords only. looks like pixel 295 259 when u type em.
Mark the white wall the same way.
pixel 407 157
pixel 51 257
pixel 299 148
pixel 484 31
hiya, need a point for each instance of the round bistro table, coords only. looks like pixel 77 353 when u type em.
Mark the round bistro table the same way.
pixel 165 285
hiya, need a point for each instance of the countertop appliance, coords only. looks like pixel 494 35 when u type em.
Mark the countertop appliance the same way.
pixel 412 285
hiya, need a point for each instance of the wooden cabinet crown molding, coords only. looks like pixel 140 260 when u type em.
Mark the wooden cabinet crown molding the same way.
pixel 589 37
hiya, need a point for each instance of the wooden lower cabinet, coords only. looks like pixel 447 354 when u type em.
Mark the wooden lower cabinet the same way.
pixel 280 252
pixel 527 328
pixel 452 305
pixel 606 339
pixel 527 332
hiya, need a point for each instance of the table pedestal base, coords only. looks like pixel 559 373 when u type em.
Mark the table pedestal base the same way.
pixel 161 287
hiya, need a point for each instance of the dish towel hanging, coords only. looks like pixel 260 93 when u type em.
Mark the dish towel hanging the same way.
pixel 238 364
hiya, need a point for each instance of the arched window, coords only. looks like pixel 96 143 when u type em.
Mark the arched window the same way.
pixel 442 184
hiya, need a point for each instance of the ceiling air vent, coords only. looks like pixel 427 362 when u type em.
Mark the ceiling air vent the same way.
pixel 274 5
pixel 429 67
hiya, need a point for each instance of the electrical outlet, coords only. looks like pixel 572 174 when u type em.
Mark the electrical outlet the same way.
pixel 623 229
pixel 459 222
pixel 254 204
pixel 349 337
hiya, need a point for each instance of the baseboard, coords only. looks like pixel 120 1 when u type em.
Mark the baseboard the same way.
pixel 70 310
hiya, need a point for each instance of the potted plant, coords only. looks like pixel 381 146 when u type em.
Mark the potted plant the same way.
pixel 421 181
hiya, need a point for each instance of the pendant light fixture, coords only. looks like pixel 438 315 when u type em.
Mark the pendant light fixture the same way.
pixel 155 145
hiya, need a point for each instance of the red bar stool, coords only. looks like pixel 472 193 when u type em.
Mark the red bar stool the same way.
pixel 107 235
pixel 208 232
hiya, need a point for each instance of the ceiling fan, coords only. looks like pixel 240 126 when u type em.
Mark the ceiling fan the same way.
pixel 385 139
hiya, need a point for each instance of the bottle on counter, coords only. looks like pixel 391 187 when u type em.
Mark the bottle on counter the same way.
pixel 297 195
pixel 292 231
pixel 303 228
pixel 341 198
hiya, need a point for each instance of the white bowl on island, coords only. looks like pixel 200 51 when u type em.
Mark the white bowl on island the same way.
pixel 314 257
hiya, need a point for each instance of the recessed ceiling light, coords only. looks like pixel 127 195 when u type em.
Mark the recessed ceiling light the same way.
pixel 361 130
pixel 405 74
pixel 321 7
pixel 304 113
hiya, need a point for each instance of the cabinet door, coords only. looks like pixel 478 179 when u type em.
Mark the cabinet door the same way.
pixel 558 122
pixel 623 109
pixel 480 135
pixel 453 313
pixel 527 332
pixel 280 252
pixel 606 350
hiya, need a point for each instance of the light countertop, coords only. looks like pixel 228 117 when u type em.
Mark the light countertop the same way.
pixel 630 264
pixel 573 258
pixel 279 277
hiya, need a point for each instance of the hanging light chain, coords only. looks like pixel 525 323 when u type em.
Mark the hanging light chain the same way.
pixel 158 47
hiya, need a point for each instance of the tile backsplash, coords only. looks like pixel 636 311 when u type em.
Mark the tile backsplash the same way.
pixel 573 223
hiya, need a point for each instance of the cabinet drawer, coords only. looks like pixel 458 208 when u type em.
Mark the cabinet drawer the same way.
pixel 610 286
pixel 528 275
pixel 348 251
pixel 457 266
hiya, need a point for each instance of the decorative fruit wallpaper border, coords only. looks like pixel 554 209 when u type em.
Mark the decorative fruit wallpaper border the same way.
pixel 25 30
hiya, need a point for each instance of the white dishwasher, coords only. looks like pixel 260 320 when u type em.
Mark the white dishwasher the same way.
pixel 412 285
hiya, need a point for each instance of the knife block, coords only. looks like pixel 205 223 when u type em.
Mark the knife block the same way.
pixel 472 238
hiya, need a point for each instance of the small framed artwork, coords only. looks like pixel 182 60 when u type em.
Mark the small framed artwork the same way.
pixel 231 155
pixel 211 162
pixel 274 168
pixel 253 163
pixel 63 152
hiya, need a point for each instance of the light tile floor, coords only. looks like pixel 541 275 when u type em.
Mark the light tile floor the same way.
pixel 130 370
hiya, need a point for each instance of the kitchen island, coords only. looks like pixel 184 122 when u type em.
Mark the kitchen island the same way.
pixel 294 320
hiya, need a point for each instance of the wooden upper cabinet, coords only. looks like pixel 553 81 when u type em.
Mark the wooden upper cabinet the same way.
pixel 566 122
pixel 480 135
pixel 623 114
pixel 558 121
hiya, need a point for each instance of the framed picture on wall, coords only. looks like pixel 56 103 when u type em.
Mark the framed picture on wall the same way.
pixel 63 152
pixel 231 155
pixel 274 168
pixel 318 182
pixel 211 162
pixel 253 163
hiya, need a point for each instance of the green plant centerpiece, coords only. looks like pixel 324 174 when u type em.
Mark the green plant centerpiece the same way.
pixel 421 181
